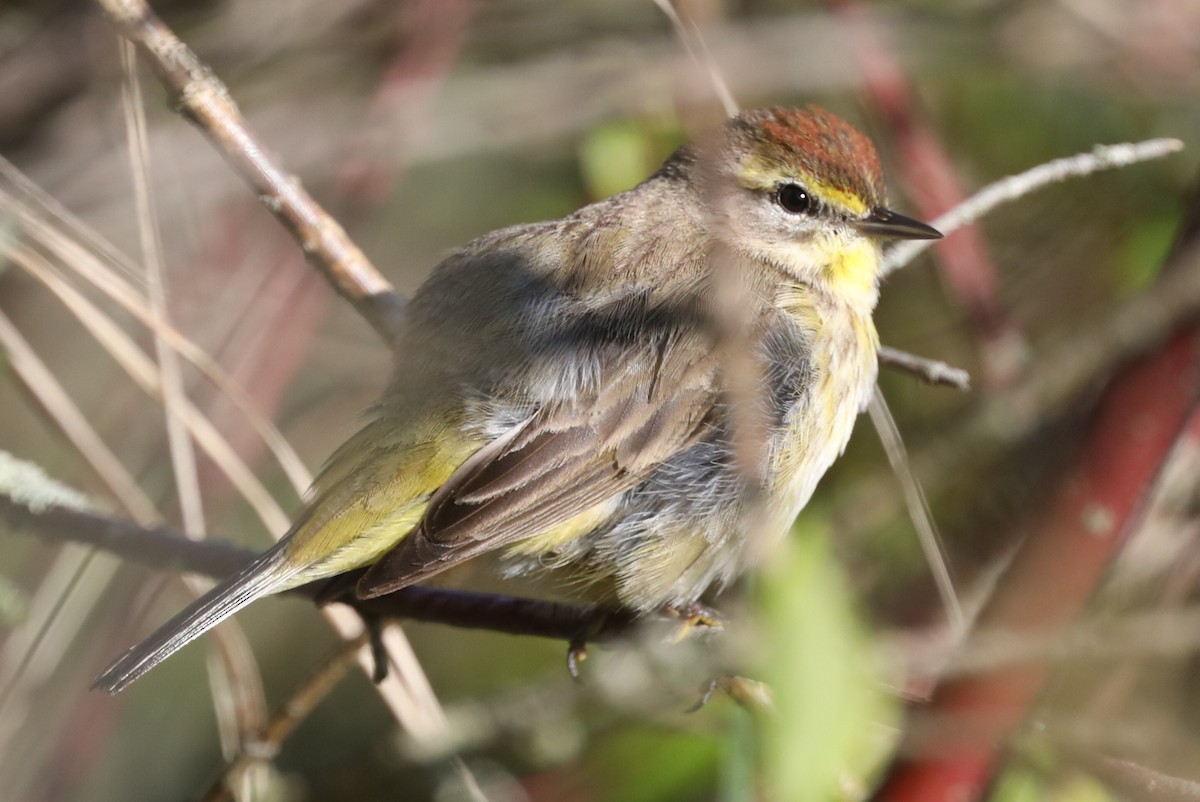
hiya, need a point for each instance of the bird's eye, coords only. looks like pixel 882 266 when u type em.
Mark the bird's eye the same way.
pixel 794 199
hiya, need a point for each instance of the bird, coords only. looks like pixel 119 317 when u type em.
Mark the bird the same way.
pixel 637 398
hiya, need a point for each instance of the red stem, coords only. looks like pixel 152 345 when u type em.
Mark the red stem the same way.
pixel 961 733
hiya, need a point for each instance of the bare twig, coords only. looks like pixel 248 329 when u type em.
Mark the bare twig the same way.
pixel 931 181
pixel 236 685
pixel 75 245
pixel 693 41
pixel 1132 780
pixel 202 97
pixel 170 377
pixel 141 369
pixel 164 548
pixel 264 745
pixel 918 511
pixel 928 370
pixel 1102 157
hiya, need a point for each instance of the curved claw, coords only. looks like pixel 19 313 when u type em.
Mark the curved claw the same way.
pixel 749 694
pixel 692 617
pixel 576 654
pixel 706 694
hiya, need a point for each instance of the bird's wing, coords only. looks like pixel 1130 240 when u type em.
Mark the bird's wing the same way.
pixel 564 460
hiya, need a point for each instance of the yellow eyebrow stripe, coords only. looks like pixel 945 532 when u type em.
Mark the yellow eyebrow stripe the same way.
pixel 762 175
pixel 838 198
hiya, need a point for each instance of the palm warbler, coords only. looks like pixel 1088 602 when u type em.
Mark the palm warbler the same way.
pixel 627 396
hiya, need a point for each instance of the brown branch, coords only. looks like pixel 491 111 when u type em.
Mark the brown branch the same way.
pixel 204 99
pixel 160 547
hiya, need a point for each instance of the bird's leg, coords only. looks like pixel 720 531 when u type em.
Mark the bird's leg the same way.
pixel 337 588
pixel 374 625
pixel 600 620
pixel 340 588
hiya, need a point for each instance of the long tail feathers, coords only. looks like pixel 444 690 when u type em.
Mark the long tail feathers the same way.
pixel 258 579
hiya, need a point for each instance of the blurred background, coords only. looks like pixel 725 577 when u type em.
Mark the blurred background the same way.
pixel 422 124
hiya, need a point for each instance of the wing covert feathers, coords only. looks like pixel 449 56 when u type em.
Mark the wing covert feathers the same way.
pixel 561 462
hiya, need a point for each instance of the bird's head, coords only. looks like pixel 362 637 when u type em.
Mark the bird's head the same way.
pixel 803 191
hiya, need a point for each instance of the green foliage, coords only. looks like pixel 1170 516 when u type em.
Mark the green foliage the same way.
pixel 646 764
pixel 618 155
pixel 614 157
pixel 1140 256
pixel 1022 784
pixel 816 660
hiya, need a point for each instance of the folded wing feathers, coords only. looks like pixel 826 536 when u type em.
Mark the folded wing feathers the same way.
pixel 560 463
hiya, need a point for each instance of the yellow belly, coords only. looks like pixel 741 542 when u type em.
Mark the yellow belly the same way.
pixel 844 367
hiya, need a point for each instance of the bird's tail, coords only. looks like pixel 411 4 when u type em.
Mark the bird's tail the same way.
pixel 258 579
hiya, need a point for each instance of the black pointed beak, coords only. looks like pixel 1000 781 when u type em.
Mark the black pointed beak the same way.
pixel 883 222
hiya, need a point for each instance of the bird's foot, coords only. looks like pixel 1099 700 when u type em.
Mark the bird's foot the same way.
pixel 599 624
pixel 692 617
pixel 338 588
pixel 753 695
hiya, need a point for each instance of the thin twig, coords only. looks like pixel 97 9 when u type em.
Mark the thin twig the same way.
pixel 161 547
pixel 170 377
pixel 141 369
pixel 264 745
pixel 1132 780
pixel 75 245
pixel 1102 157
pixel 237 691
pixel 929 370
pixel 918 511
pixel 693 41
pixel 205 100
pixel 933 185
